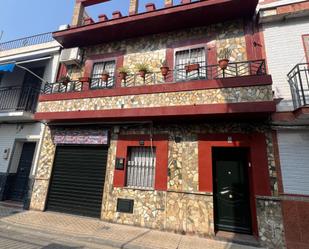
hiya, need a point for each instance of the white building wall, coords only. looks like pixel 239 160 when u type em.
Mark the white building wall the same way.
pixel 284 49
pixel 9 133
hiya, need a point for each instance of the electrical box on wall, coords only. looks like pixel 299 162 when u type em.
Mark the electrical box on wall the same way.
pixel 120 163
pixel 6 153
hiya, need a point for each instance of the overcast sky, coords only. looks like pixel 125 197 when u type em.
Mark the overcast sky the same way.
pixel 22 18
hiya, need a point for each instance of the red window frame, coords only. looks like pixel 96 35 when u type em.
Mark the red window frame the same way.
pixel 161 170
pixel 208 44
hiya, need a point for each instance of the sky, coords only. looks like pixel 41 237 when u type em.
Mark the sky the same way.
pixel 22 18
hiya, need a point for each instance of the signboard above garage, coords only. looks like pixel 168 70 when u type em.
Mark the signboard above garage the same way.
pixel 80 136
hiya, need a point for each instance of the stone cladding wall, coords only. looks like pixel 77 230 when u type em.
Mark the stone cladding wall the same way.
pixel 181 208
pixel 152 49
pixel 197 97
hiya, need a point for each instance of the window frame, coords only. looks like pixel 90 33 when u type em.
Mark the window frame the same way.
pixel 191 47
pixel 153 148
pixel 160 141
pixel 101 62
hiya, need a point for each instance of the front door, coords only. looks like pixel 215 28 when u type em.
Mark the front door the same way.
pixel 231 190
pixel 19 186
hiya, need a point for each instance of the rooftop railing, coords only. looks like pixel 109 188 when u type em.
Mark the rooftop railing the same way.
pixel 27 41
pixel 298 79
pixel 181 73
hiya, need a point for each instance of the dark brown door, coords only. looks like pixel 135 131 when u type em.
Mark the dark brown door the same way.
pixel 231 190
pixel 19 186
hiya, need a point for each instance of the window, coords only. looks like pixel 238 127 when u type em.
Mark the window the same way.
pixel 306 46
pixel 96 76
pixel 192 56
pixel 141 167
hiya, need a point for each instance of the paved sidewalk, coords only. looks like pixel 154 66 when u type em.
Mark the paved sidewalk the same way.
pixel 81 229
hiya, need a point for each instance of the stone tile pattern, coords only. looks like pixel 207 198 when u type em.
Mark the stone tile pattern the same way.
pixel 198 97
pixel 152 49
pixel 270 222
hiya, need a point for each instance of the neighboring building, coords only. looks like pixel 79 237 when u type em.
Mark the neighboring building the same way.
pixel 285 26
pixel 190 151
pixel 20 134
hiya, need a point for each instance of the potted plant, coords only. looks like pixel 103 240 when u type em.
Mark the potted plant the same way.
pixel 123 72
pixel 65 80
pixel 224 58
pixel 105 75
pixel 142 69
pixel 164 68
pixel 192 67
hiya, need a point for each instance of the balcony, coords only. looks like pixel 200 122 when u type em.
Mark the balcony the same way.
pixel 242 88
pixel 186 15
pixel 177 75
pixel 17 103
pixel 298 79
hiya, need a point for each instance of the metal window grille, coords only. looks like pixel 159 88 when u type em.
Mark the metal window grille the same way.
pixel 141 167
pixel 190 56
pixel 96 77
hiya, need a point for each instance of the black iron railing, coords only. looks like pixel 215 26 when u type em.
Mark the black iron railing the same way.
pixel 208 72
pixel 17 98
pixel 27 41
pixel 60 87
pixel 179 74
pixel 298 79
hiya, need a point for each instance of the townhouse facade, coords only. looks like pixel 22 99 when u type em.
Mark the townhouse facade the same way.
pixel 24 64
pixel 285 26
pixel 147 126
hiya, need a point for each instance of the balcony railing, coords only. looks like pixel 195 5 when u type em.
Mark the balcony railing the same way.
pixel 18 98
pixel 298 79
pixel 27 41
pixel 179 74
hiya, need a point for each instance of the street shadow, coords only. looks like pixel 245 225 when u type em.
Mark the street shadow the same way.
pixel 59 246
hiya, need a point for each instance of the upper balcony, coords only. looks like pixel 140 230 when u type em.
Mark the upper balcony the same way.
pixel 298 79
pixel 27 44
pixel 84 31
pixel 187 90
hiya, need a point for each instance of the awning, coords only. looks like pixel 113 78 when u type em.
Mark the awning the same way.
pixel 7 67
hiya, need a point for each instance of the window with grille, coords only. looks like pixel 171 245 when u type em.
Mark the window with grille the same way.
pixel 187 57
pixel 141 167
pixel 97 71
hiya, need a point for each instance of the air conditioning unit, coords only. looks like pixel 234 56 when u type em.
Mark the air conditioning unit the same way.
pixel 71 56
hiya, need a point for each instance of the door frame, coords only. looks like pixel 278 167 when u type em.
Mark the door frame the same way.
pixel 247 168
pixel 259 179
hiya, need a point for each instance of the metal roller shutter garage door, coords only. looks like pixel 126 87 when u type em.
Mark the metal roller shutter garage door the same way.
pixel 78 179
pixel 294 161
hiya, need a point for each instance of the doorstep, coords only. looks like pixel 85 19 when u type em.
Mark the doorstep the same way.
pixel 12 204
pixel 243 239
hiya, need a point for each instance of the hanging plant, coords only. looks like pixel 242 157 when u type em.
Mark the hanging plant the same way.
pixel 164 68
pixel 142 69
pixel 123 72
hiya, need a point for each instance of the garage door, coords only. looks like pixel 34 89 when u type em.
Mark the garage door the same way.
pixel 294 161
pixel 78 179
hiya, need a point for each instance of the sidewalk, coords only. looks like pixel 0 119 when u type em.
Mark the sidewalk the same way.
pixel 99 232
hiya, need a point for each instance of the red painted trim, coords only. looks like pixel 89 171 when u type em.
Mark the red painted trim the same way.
pixel 159 88
pixel 290 116
pixel 171 111
pixel 189 15
pixel 90 2
pixel 258 173
pixel 161 144
pixel 62 71
pixel 306 47
pixel 294 195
